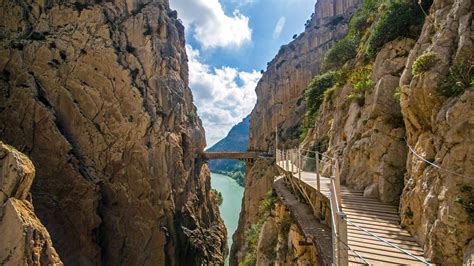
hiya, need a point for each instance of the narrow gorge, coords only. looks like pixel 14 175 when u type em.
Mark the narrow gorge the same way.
pixel 389 93
pixel 104 158
pixel 96 95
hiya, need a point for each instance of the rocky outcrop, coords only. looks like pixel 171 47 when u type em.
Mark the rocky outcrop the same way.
pixel 24 241
pixel 436 204
pixel 258 182
pixel 368 135
pixel 96 94
pixel 280 241
pixel 415 151
pixel 280 90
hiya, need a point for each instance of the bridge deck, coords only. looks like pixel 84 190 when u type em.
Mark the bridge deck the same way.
pixel 374 216
pixel 230 155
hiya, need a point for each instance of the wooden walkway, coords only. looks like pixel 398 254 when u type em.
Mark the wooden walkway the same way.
pixel 374 216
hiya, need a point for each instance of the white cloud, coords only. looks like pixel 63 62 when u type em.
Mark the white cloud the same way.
pixel 211 26
pixel 241 3
pixel 279 27
pixel 224 96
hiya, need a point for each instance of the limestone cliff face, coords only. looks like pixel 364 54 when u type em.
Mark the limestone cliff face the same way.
pixel 368 136
pixel 96 94
pixel 436 204
pixel 280 90
pixel 279 103
pixel 258 182
pixel 24 241
pixel 376 135
pixel 280 241
pixel 372 136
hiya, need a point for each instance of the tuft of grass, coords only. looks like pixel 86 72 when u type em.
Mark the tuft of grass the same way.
pixel 424 63
pixel 456 80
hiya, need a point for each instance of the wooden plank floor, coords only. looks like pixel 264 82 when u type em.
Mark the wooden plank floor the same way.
pixel 374 216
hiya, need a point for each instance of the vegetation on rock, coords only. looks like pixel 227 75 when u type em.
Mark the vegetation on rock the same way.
pixel 360 81
pixel 424 63
pixel 400 18
pixel 218 196
pixel 456 80
pixel 252 235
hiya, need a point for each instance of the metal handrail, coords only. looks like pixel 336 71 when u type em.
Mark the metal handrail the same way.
pixel 339 212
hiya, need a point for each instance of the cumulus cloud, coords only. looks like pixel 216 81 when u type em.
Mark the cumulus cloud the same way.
pixel 211 27
pixel 224 96
pixel 279 27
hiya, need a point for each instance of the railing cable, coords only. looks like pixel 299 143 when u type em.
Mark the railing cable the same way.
pixel 433 164
pixel 388 243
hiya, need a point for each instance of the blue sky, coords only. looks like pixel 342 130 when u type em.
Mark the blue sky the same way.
pixel 228 43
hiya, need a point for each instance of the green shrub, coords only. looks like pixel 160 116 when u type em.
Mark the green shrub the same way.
pixel 218 195
pixel 361 19
pixel 361 82
pixel 316 88
pixel 400 19
pixel 192 118
pixel 340 53
pixel 456 80
pixel 314 96
pixel 424 63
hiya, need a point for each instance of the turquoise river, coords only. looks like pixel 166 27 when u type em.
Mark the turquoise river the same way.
pixel 230 208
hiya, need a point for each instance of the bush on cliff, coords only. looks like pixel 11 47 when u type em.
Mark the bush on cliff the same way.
pixel 218 196
pixel 315 91
pixel 424 63
pixel 401 18
pixel 341 52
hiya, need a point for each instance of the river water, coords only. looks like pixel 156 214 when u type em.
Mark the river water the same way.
pixel 230 208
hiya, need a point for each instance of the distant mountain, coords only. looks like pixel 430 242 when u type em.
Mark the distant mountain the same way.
pixel 236 140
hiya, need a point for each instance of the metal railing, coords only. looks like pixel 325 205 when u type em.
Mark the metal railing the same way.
pixel 293 163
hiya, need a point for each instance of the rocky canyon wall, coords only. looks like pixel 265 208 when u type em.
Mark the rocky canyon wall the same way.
pixel 96 94
pixel 376 135
pixel 437 202
pixel 279 103
pixel 25 240
pixel 280 90
pixel 412 95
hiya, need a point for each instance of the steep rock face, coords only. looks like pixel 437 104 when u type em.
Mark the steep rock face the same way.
pixel 24 241
pixel 280 241
pixel 258 182
pixel 436 204
pixel 368 136
pixel 96 93
pixel 280 90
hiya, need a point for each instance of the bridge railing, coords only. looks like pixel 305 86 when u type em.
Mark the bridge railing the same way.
pixel 292 161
